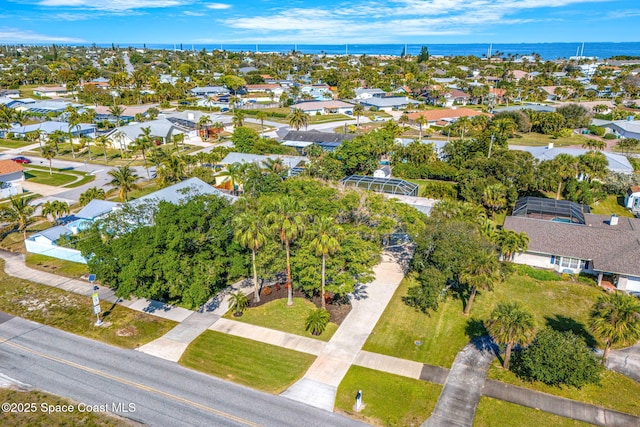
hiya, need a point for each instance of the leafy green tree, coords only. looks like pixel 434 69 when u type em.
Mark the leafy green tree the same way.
pixel 93 193
pixel 511 324
pixel 244 139
pixel 18 213
pixel 423 56
pixel 557 358
pixel 317 321
pixel 326 241
pixel 615 319
pixel 575 115
pixel 124 179
pixel 286 220
pixel 249 233
pixel 238 303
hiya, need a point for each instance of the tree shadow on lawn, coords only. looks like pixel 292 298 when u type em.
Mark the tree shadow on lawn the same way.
pixel 562 323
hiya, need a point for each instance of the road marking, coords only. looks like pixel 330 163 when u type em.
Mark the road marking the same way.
pixel 132 383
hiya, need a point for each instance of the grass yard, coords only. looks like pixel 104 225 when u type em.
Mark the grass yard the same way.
pixel 73 313
pixel 261 366
pixel 390 400
pixel 13 241
pixel 277 315
pixel 146 187
pixel 563 305
pixel 538 139
pixel 70 269
pixel 611 205
pixel 53 419
pixel 494 413
pixel 615 390
pixel 56 179
pixel 14 143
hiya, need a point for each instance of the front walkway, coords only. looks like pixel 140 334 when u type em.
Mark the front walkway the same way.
pixel 457 404
pixel 319 385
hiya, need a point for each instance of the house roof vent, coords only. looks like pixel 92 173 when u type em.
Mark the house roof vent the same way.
pixel 613 220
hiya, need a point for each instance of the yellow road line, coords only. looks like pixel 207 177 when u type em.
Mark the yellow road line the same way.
pixel 133 384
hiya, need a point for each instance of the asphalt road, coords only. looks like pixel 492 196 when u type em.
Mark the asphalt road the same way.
pixel 161 393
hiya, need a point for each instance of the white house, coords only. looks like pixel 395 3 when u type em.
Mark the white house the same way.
pixel 323 107
pixel 11 175
pixel 389 103
pixel 632 199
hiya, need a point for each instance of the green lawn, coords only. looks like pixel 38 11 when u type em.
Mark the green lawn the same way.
pixel 251 363
pixel 615 390
pixel 611 205
pixel 13 143
pixel 13 241
pixel 390 400
pixel 53 419
pixel 538 139
pixel 73 313
pixel 43 177
pixel 447 331
pixel 277 315
pixel 70 269
pixel 498 413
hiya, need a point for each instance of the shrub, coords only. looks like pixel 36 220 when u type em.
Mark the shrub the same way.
pixel 534 273
pixel 610 136
pixel 558 358
pixel 439 190
pixel 587 279
pixel 597 130
pixel 317 321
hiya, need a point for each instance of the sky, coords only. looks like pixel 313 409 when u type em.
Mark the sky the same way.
pixel 318 21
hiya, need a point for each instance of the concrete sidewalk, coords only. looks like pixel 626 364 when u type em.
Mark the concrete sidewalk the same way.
pixel 626 361
pixel 319 385
pixel 14 265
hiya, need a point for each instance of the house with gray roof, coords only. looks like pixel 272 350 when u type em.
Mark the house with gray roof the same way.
pixel 389 103
pixel 162 130
pixel 624 128
pixel 564 236
pixel 47 128
pixel 302 139
pixel 615 162
pixel 209 91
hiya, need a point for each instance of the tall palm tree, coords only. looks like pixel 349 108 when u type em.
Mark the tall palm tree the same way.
pixel 18 213
pixel 509 242
pixel 275 166
pixel 422 121
pixel 615 318
pixel 172 169
pixel 511 324
pixel 566 167
pixel 48 152
pixel 116 111
pixel 326 241
pixel 494 197
pixel 298 119
pixel 462 123
pixel 55 208
pixel 286 220
pixel 238 118
pixel 124 179
pixel 358 111
pixel 249 234
pixel 483 272
pixel 143 143
pixel 73 121
pixel 93 193
pixel 261 115
pixel 102 141
pixel 235 173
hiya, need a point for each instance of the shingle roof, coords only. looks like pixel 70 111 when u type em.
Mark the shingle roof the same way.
pixel 317 105
pixel 390 101
pixel 448 113
pixel 177 193
pixel 9 166
pixel 315 136
pixel 54 233
pixel 616 162
pixel 611 248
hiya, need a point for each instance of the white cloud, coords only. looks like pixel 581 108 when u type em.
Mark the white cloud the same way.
pixel 114 5
pixel 218 6
pixel 189 13
pixel 10 35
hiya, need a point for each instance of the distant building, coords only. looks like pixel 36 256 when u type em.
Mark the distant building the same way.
pixel 323 107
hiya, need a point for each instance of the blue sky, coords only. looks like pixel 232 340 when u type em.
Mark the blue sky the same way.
pixel 318 21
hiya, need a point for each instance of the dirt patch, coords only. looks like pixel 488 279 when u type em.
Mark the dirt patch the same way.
pixel 129 331
pixel 338 308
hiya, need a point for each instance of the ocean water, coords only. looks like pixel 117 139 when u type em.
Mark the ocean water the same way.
pixel 547 51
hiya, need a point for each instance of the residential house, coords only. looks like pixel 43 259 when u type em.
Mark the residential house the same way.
pixel 11 175
pixel 616 162
pixel 128 112
pixel 534 107
pixel 209 91
pixel 444 116
pixel 624 128
pixel 52 91
pixel 162 131
pixel 324 107
pixel 564 236
pixel 10 93
pixel 389 103
pixel 632 199
pixel 362 93
pixel 319 92
pixel 47 128
pixel 44 107
pixel 302 139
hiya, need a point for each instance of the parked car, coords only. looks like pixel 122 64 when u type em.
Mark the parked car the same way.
pixel 21 159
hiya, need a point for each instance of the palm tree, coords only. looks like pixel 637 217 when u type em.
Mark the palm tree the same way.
pixel 238 302
pixel 18 213
pixel 358 111
pixel 287 222
pixel 234 172
pixel 403 120
pixel 275 166
pixel 326 242
pixel 143 143
pixel 73 121
pixel 91 194
pixel 482 273
pixel 102 141
pixel 116 111
pixel 422 121
pixel 55 208
pixel 172 169
pixel 298 119
pixel 261 115
pixel 124 179
pixel 566 167
pixel 615 318
pixel 509 242
pixel 48 152
pixel 511 324
pixel 249 234
pixel 463 123
pixel 317 321
pixel 494 197
pixel 238 118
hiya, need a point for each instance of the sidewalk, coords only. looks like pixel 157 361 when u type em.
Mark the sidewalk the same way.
pixel 626 361
pixel 14 265
pixel 319 385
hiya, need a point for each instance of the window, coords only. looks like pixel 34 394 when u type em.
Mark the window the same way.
pixel 572 263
